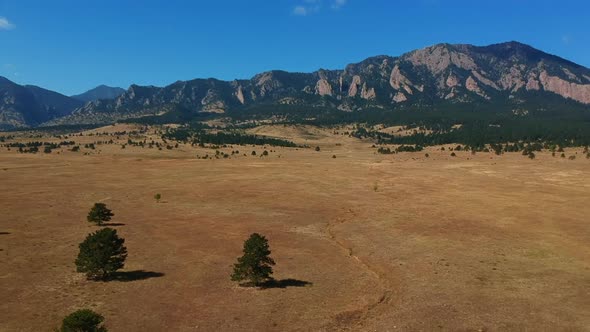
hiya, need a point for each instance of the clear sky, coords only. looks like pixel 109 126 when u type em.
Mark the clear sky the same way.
pixel 73 45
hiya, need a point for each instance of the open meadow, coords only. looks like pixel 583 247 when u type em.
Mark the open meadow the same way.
pixel 362 241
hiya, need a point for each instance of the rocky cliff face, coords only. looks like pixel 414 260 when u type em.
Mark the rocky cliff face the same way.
pixel 423 78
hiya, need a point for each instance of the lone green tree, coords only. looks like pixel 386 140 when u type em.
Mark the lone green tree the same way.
pixel 99 214
pixel 101 254
pixel 157 197
pixel 256 264
pixel 84 320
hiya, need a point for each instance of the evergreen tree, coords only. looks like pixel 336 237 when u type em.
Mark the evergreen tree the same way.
pixel 256 264
pixel 84 320
pixel 101 254
pixel 99 214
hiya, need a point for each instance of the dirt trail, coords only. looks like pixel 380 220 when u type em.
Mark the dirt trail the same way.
pixel 354 319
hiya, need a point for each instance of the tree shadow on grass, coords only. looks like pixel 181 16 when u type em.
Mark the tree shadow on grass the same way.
pixel 4 233
pixel 284 283
pixel 112 224
pixel 127 276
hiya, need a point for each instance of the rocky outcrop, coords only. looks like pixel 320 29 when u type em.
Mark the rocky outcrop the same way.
pixel 399 97
pixel 439 57
pixel 368 93
pixel 532 83
pixel 564 88
pixel 512 80
pixel 354 86
pixel 471 85
pixel 323 88
pixel 397 79
pixel 452 81
pixel 266 83
pixel 240 95
pixel 484 80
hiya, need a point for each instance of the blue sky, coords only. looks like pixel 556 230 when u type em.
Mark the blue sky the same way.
pixel 71 46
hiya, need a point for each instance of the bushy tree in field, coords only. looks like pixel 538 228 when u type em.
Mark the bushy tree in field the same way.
pixel 101 254
pixel 157 197
pixel 256 264
pixel 84 320
pixel 99 214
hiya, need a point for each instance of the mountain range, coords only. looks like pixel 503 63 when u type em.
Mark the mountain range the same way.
pixel 509 75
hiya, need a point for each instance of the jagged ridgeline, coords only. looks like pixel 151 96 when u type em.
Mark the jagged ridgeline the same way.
pixel 497 86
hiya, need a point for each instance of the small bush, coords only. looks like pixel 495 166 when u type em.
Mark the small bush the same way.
pixel 84 320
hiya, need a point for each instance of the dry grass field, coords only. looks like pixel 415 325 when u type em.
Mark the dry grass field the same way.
pixel 372 242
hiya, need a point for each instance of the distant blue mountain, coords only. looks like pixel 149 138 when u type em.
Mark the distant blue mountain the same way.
pixel 100 92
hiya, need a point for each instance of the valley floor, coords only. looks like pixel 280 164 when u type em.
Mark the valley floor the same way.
pixel 375 242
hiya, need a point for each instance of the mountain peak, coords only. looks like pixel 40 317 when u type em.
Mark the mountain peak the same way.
pixel 100 92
